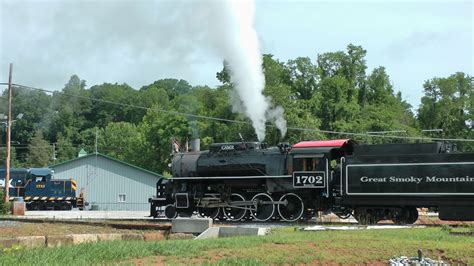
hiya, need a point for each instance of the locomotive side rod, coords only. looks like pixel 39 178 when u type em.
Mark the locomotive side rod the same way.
pixel 237 204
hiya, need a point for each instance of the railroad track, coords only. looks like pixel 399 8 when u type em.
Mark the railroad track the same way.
pixel 165 224
pixel 274 223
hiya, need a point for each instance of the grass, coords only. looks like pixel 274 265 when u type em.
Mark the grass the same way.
pixel 284 246
pixel 463 229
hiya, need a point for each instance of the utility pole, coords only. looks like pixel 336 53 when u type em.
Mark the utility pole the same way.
pixel 54 153
pixel 9 123
pixel 96 141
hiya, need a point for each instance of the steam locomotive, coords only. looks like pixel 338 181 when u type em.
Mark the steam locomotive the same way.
pixel 250 181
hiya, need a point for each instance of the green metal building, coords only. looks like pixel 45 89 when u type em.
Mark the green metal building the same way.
pixel 108 183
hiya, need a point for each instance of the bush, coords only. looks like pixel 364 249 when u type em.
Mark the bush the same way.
pixel 446 228
pixel 4 206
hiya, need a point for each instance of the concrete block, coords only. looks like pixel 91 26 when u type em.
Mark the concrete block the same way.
pixel 59 240
pixel 190 225
pixel 31 241
pixel 155 236
pixel 8 243
pixel 212 232
pixel 177 236
pixel 132 237
pixel 109 237
pixel 238 231
pixel 263 231
pixel 83 238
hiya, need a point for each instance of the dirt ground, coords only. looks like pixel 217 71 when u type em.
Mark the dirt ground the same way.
pixel 430 220
pixel 10 229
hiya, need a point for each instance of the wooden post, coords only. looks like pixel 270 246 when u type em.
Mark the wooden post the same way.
pixel 9 123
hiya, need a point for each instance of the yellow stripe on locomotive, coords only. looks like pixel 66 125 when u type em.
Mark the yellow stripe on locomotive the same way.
pixel 73 184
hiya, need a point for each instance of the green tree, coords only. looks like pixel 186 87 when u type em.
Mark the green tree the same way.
pixel 338 109
pixel 379 88
pixel 103 112
pixel 158 129
pixel 342 77
pixel 39 151
pixel 70 111
pixel 292 86
pixel 383 110
pixel 304 77
pixel 447 105
pixel 173 87
pixel 4 206
pixel 65 149
pixel 124 141
pixel 35 107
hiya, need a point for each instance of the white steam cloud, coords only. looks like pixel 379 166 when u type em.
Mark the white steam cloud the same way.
pixel 232 34
pixel 137 42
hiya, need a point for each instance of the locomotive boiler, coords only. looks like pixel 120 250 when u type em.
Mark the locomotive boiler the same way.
pixel 250 181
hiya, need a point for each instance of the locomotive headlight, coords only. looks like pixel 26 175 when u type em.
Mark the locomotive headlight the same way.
pixel 169 165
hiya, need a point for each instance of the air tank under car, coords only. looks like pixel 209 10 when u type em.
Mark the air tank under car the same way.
pixel 230 159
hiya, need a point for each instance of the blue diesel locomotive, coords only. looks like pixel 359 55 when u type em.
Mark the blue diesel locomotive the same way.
pixel 40 191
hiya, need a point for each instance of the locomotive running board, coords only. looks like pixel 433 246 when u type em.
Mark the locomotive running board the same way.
pixel 229 177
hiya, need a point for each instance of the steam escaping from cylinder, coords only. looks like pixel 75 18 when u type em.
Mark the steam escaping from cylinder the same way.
pixel 235 38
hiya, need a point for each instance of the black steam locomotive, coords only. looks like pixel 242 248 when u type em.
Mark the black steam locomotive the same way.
pixel 249 181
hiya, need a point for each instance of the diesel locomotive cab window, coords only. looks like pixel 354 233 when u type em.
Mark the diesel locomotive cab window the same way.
pixel 305 164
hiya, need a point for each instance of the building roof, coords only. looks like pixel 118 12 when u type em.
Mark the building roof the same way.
pixel 106 157
pixel 321 143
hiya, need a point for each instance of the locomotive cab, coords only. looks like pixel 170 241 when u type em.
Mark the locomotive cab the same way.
pixel 39 175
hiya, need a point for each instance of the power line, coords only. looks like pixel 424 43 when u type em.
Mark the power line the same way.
pixel 108 148
pixel 131 105
pixel 239 121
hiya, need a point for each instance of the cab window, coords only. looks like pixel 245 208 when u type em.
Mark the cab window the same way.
pixel 306 164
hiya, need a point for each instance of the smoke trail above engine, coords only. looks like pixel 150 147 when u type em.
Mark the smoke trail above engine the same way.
pixel 233 35
pixel 157 40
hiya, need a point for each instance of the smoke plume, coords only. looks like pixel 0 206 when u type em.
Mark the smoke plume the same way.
pixel 242 52
pixel 231 33
pixel 137 42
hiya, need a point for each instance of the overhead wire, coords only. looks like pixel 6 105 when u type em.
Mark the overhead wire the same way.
pixel 239 121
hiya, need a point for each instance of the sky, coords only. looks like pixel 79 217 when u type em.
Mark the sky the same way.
pixel 138 42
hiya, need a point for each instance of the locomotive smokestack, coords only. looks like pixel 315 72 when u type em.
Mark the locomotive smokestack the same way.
pixel 195 144
pixel 195 141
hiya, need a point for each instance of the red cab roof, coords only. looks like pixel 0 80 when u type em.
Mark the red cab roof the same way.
pixel 321 143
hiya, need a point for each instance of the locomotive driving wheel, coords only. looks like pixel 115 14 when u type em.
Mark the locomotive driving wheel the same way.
pixel 264 207
pixel 237 210
pixel 206 212
pixel 365 216
pixel 292 209
pixel 407 215
pixel 413 215
pixel 170 211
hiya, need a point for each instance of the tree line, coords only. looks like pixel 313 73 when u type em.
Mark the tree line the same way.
pixel 332 93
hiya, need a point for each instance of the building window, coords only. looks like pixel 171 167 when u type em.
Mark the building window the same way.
pixel 122 198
